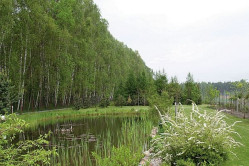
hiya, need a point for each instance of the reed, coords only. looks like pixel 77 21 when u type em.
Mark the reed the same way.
pixel 75 146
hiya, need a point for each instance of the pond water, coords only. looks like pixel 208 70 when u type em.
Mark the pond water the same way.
pixel 76 139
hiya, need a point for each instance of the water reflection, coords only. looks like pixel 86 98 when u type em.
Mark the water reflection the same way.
pixel 76 139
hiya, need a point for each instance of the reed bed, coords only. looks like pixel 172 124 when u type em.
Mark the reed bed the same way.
pixel 76 139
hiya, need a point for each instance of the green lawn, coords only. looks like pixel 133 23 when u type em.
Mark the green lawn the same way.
pixel 242 128
pixel 34 118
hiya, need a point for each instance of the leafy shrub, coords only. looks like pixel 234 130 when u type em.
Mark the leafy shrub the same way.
pixel 86 103
pixel 77 103
pixel 129 100
pixel 163 101
pixel 27 152
pixel 120 101
pixel 7 94
pixel 201 138
pixel 121 156
pixel 104 103
pixel 185 163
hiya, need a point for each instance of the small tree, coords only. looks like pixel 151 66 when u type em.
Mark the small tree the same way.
pixel 191 91
pixel 86 103
pixel 161 82
pixel 163 101
pixel 212 93
pixel 104 102
pixel 120 101
pixel 7 97
pixel 174 89
pixel 77 103
pixel 129 100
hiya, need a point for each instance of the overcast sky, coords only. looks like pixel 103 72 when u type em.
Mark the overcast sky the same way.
pixel 209 38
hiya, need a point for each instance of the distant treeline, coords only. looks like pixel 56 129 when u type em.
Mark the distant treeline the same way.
pixel 225 90
pixel 220 86
pixel 227 87
pixel 56 51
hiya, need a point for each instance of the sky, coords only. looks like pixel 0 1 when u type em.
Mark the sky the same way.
pixel 208 38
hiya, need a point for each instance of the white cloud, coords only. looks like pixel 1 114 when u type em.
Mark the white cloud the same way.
pixel 206 37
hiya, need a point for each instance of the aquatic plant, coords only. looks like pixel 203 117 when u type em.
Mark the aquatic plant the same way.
pixel 121 156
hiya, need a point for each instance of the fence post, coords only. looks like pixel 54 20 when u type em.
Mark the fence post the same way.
pixel 175 109
pixel 237 105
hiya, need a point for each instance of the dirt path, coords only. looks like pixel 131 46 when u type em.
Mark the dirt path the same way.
pixel 148 159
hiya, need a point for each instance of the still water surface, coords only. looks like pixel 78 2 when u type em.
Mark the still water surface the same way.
pixel 76 139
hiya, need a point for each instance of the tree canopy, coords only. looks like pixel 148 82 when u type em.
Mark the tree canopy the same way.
pixel 56 51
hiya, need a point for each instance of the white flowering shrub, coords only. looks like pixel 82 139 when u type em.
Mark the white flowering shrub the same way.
pixel 195 137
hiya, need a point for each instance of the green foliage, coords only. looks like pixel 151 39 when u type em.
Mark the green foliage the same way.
pixel 4 94
pixel 241 89
pixel 185 163
pixel 7 96
pixel 135 88
pixel 77 103
pixel 191 91
pixel 25 152
pixel 86 103
pixel 129 101
pixel 120 101
pixel 161 82
pixel 131 85
pixel 212 93
pixel 199 137
pixel 121 156
pixel 105 102
pixel 54 51
pixel 163 102
pixel 120 90
pixel 174 89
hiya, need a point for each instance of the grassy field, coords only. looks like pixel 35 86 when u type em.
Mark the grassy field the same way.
pixel 34 118
pixel 242 152
pixel 242 128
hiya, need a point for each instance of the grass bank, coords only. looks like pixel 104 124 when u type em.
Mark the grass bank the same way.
pixel 242 152
pixel 34 118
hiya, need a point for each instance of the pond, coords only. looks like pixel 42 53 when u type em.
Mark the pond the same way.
pixel 76 139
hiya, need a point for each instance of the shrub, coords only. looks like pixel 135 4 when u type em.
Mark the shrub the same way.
pixel 7 94
pixel 86 103
pixel 121 156
pixel 129 100
pixel 185 163
pixel 104 103
pixel 27 152
pixel 201 138
pixel 120 101
pixel 77 103
pixel 163 101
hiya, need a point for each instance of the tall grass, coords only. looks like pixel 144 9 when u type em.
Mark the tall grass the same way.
pixel 76 148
